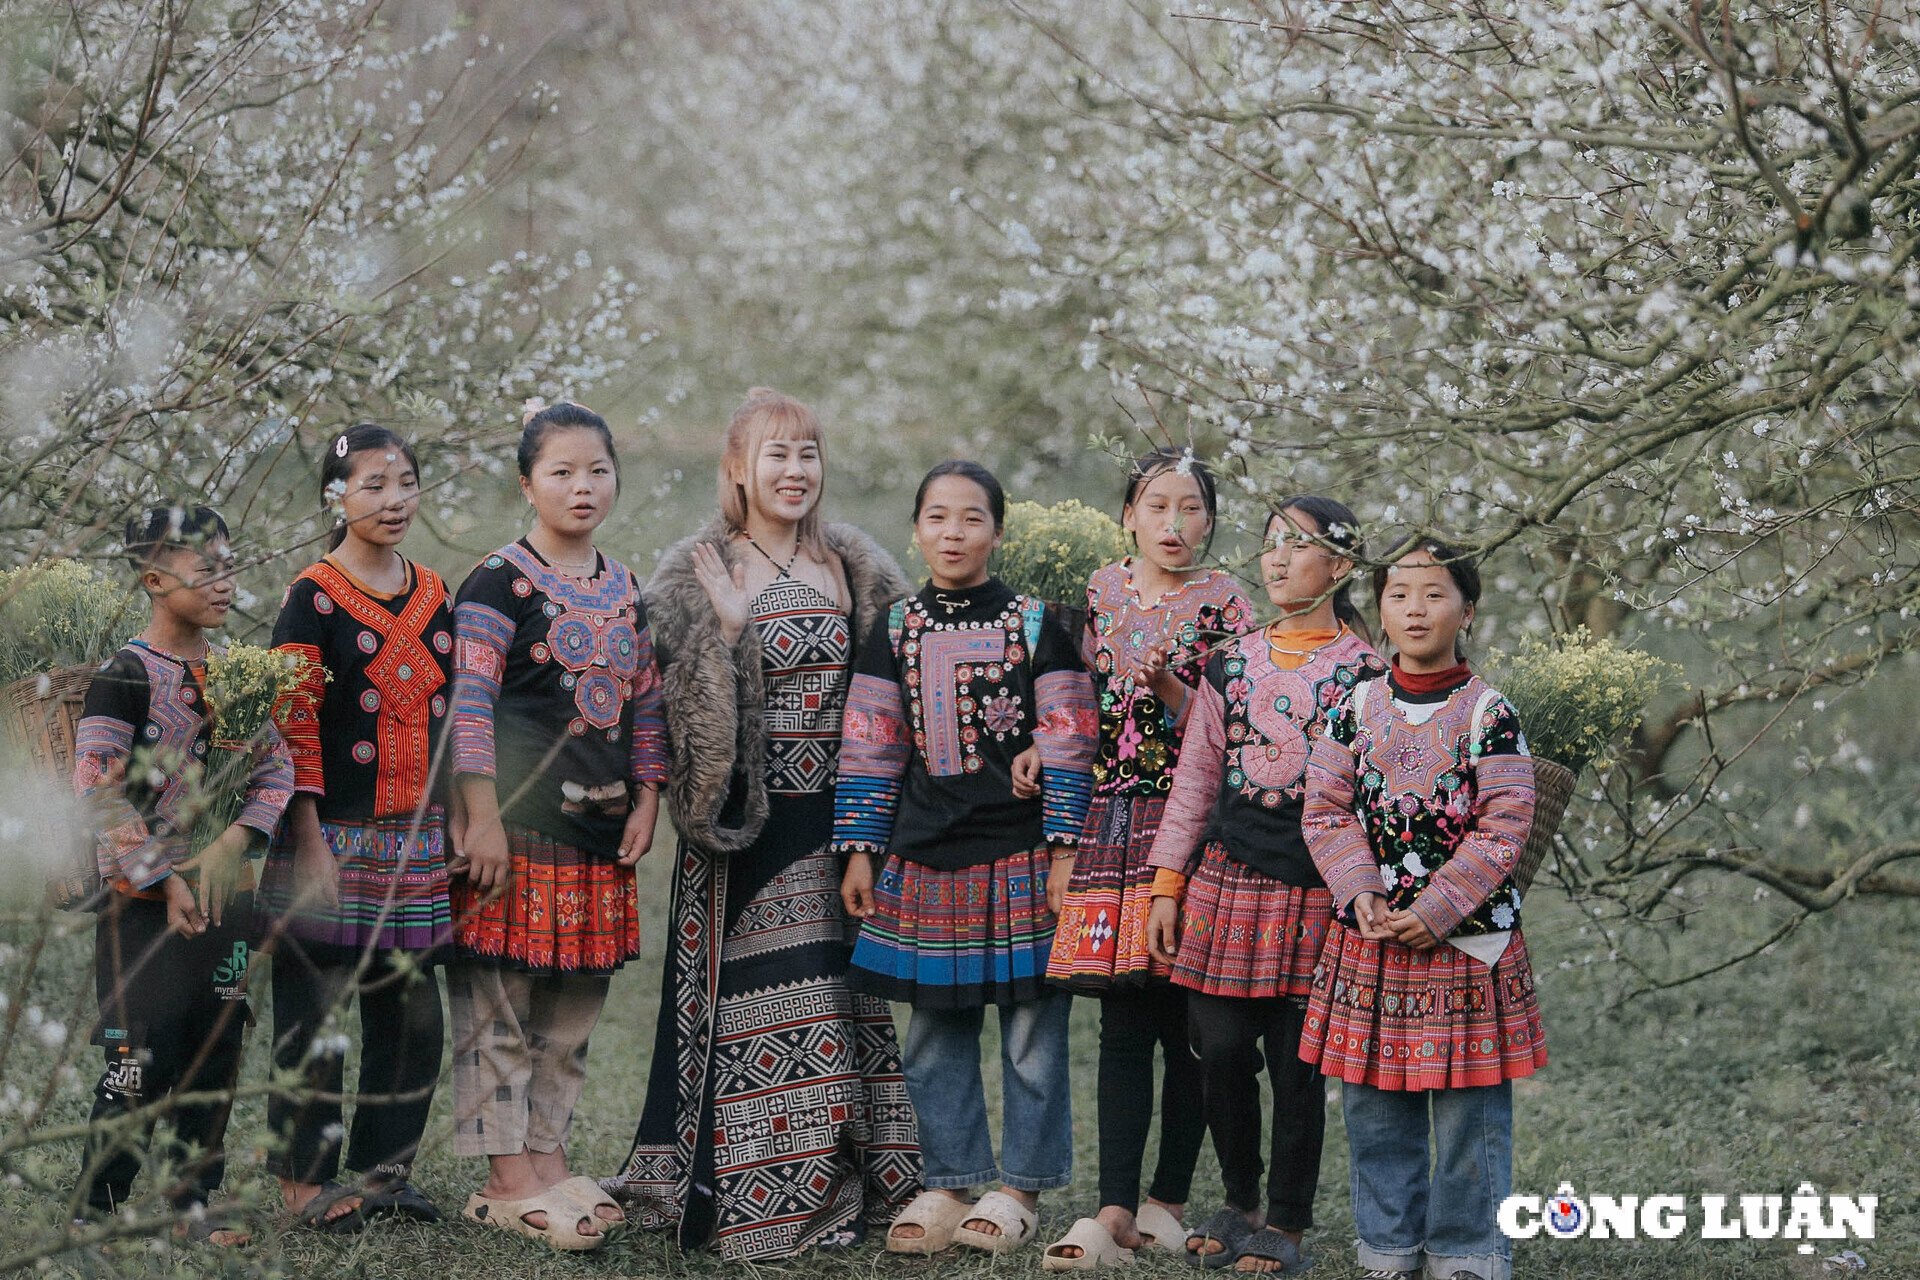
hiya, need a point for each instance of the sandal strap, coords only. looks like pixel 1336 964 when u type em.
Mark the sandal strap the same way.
pixel 1226 1226
pixel 1004 1212
pixel 928 1209
pixel 1268 1243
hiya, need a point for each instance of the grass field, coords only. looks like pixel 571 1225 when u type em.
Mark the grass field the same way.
pixel 1798 1066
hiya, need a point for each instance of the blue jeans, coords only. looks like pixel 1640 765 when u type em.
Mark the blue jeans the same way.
pixel 942 1061
pixel 1402 1212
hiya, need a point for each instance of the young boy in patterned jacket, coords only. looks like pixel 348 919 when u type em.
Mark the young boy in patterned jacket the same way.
pixel 172 943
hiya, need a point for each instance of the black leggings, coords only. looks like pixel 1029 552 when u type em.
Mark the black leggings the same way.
pixel 1226 1030
pixel 400 1045
pixel 1133 1022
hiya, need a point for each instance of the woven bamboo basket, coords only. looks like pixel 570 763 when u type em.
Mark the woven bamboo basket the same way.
pixel 43 714
pixel 1552 789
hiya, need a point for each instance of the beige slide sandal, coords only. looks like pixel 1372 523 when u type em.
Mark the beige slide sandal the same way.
pixel 1015 1220
pixel 936 1214
pixel 562 1231
pixel 1160 1229
pixel 1096 1246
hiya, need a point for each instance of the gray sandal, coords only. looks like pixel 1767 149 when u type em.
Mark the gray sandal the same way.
pixel 1270 1244
pixel 314 1215
pixel 1230 1229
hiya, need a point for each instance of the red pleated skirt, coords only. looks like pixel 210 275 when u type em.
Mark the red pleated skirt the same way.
pixel 1101 940
pixel 1391 1017
pixel 564 910
pixel 1246 934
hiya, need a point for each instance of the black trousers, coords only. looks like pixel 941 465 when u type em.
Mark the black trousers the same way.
pixel 1134 1022
pixel 400 1045
pixel 1229 1034
pixel 172 1014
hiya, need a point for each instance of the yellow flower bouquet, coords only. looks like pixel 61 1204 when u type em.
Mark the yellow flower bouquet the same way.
pixel 243 686
pixel 1576 696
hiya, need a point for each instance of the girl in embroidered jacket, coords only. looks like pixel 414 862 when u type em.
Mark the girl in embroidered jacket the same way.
pixel 357 875
pixel 1239 910
pixel 1152 619
pixel 949 687
pixel 1419 799
pixel 755 618
pixel 559 743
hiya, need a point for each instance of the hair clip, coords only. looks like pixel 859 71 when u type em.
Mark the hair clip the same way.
pixel 340 446
pixel 531 408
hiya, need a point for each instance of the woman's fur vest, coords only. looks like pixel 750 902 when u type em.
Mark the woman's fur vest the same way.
pixel 716 697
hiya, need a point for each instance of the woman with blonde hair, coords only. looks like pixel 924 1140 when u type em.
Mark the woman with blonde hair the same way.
pixel 776 1119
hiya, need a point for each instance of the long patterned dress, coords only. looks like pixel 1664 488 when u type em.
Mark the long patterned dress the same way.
pixel 776 1115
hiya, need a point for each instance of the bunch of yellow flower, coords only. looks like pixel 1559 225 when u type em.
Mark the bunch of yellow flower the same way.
pixel 1577 695
pixel 61 613
pixel 243 684
pixel 1050 552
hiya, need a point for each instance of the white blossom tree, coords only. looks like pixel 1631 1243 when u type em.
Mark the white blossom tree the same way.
pixel 230 228
pixel 832 198
pixel 227 229
pixel 1623 295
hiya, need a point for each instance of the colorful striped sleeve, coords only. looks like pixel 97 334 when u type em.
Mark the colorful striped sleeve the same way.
pixel 482 637
pixel 103 751
pixel 875 744
pixel 1066 731
pixel 1335 835
pixel 1502 816
pixel 270 786
pixel 648 741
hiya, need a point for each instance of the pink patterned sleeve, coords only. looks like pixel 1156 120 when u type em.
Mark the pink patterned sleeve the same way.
pixel 1502 817
pixel 1335 835
pixel 1196 784
pixel 483 635
pixel 648 756
pixel 103 747
pixel 875 745
pixel 270 786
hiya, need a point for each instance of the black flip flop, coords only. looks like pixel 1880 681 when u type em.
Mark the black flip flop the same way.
pixel 330 1194
pixel 398 1200
pixel 1230 1229
pixel 1270 1244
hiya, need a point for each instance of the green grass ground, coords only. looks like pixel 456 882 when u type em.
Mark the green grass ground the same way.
pixel 1797 1066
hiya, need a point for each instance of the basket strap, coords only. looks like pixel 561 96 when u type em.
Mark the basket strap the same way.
pixel 1479 710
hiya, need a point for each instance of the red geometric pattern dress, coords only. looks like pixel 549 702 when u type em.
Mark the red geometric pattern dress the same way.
pixel 1427 799
pixel 1100 941
pixel 1255 912
pixel 557 699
